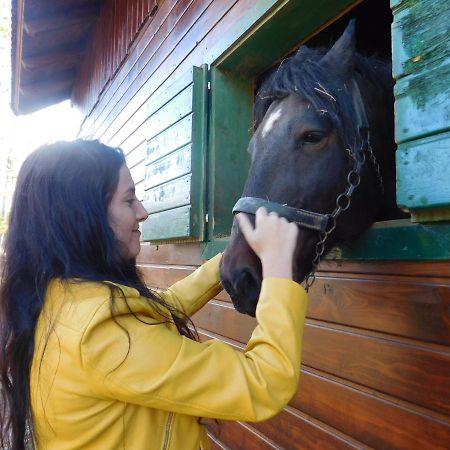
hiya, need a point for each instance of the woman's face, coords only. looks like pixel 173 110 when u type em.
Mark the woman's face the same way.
pixel 125 212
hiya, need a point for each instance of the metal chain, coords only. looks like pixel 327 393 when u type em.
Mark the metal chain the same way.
pixel 375 165
pixel 343 202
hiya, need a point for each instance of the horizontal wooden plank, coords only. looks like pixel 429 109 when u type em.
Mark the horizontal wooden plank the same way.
pixel 376 420
pixel 405 306
pixel 215 443
pixel 171 224
pixel 429 271
pixel 293 429
pixel 172 112
pixel 392 365
pixel 423 172
pixel 409 371
pixel 153 32
pixel 181 254
pixel 400 306
pixel 172 194
pixel 138 172
pixel 162 277
pixel 170 37
pixel 169 140
pixel 420 35
pixel 176 164
pixel 162 64
pixel 422 103
pixel 238 436
pixel 137 155
pixel 144 128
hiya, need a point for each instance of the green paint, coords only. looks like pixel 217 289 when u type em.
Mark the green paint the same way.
pixel 398 240
pixel 199 145
pixel 278 33
pixel 422 105
pixel 421 59
pixel 179 107
pixel 423 173
pixel 175 176
pixel 168 195
pixel 211 249
pixel 421 35
pixel 172 138
pixel 230 132
pixel 420 111
pixel 267 32
pixel 395 240
pixel 176 164
pixel 174 90
pixel 167 225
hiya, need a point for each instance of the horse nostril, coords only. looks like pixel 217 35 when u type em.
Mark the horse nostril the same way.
pixel 246 287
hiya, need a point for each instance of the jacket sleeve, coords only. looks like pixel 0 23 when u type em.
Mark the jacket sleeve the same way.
pixel 158 368
pixel 191 293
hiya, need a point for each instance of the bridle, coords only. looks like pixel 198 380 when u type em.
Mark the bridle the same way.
pixel 325 224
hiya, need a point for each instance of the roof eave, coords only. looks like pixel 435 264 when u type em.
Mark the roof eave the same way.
pixel 17 19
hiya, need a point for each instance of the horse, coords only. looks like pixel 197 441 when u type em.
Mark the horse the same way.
pixel 322 155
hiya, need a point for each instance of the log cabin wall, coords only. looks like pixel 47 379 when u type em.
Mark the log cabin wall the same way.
pixel 376 360
pixel 117 27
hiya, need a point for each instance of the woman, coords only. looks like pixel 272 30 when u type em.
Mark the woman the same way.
pixel 93 359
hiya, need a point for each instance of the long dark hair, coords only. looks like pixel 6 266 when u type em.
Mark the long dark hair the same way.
pixel 58 228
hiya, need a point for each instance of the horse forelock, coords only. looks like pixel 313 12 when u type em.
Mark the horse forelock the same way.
pixel 325 88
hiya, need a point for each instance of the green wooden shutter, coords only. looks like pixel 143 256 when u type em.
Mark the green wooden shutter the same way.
pixel 175 162
pixel 421 67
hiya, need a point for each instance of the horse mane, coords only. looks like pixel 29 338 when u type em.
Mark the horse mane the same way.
pixel 325 87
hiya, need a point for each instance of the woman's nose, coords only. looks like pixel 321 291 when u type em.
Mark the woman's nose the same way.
pixel 142 213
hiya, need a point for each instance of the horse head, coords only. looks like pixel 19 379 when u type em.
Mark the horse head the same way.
pixel 323 144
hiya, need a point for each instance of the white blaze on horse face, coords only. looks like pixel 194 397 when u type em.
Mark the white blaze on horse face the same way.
pixel 270 121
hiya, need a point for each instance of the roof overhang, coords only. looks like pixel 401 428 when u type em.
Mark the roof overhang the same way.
pixel 49 41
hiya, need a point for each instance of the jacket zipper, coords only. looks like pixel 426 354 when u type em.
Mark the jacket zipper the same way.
pixel 167 432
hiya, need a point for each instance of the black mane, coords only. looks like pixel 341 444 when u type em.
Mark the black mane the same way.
pixel 324 87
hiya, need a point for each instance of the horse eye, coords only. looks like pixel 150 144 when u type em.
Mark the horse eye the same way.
pixel 312 137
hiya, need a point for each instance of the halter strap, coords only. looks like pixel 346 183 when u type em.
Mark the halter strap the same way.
pixel 303 218
pixel 360 110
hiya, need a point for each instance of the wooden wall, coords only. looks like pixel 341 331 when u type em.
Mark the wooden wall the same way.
pixel 376 361
pixel 376 358
pixel 117 27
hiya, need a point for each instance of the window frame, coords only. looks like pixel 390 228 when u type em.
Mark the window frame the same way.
pixel 232 78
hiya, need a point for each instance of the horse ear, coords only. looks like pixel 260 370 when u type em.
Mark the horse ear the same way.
pixel 341 54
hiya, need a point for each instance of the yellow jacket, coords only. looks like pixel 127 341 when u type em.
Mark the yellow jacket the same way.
pixel 92 387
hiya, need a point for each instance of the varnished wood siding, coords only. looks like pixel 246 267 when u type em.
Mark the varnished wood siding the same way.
pixel 376 361
pixel 376 357
pixel 117 27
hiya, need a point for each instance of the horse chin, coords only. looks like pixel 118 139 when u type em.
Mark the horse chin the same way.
pixel 243 290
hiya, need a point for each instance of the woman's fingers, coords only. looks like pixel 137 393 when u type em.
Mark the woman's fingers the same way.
pixel 245 226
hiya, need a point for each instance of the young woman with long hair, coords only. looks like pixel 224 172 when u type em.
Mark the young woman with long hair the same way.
pixel 90 357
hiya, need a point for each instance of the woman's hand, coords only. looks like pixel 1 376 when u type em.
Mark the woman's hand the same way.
pixel 273 239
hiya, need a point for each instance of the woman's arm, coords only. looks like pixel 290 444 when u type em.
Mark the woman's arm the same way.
pixel 191 293
pixel 158 368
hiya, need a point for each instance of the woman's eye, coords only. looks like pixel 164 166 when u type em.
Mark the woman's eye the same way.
pixel 130 201
pixel 312 137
